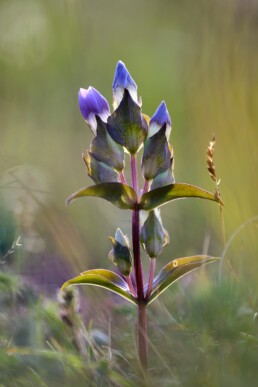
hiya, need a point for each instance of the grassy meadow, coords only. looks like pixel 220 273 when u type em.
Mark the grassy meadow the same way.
pixel 201 58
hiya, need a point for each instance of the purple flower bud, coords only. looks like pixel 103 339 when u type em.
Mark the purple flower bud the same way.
pixel 91 102
pixel 122 81
pixel 160 118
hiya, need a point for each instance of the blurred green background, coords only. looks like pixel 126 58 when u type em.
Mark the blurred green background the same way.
pixel 201 58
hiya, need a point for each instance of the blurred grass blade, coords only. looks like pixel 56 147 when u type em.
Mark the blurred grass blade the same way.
pixel 160 196
pixel 120 195
pixel 105 279
pixel 175 270
pixel 74 360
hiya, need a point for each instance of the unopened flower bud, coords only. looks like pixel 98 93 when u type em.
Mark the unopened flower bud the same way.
pixel 92 103
pixel 99 171
pixel 105 149
pixel 160 118
pixel 120 255
pixel 156 155
pixel 122 81
pixel 153 235
pixel 163 178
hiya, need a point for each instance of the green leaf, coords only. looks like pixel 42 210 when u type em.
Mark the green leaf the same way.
pixel 105 279
pixel 126 124
pixel 175 270
pixel 160 196
pixel 120 195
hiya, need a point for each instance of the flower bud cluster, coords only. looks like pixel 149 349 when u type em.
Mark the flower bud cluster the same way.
pixel 128 129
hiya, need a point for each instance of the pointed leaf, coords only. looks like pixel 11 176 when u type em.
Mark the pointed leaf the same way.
pixel 105 279
pixel 175 270
pixel 109 275
pixel 160 196
pixel 120 195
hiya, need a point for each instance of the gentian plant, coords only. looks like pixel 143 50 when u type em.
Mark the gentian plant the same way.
pixel 118 135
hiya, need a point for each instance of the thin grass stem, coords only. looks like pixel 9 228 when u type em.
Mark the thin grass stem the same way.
pixel 240 228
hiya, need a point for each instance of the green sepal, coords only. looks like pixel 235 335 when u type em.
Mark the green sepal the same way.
pixel 126 125
pixel 98 171
pixel 156 155
pixel 105 279
pixel 164 178
pixel 120 195
pixel 175 270
pixel 120 255
pixel 153 235
pixel 105 149
pixel 163 195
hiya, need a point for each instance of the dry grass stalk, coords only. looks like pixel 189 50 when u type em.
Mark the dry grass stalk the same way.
pixel 211 165
pixel 212 171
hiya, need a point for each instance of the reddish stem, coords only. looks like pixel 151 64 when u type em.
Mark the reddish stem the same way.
pixel 122 177
pixel 151 277
pixel 130 284
pixel 146 186
pixel 136 254
pixel 142 320
pixel 134 173
pixel 142 335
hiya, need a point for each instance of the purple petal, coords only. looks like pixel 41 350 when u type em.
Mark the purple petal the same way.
pixel 91 102
pixel 160 118
pixel 123 80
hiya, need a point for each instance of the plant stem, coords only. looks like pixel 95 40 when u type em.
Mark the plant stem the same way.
pixel 130 284
pixel 142 335
pixel 151 276
pixel 136 254
pixel 134 173
pixel 146 186
pixel 122 177
pixel 142 320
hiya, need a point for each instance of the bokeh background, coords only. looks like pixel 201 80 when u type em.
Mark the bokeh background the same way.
pixel 201 58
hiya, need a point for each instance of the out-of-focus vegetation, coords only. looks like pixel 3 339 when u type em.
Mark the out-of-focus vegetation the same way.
pixel 201 57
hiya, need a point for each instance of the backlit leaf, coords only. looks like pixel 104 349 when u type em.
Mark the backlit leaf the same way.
pixel 162 195
pixel 120 195
pixel 175 270
pixel 105 279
